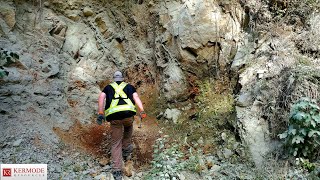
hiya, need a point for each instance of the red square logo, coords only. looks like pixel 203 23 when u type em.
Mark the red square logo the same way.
pixel 6 172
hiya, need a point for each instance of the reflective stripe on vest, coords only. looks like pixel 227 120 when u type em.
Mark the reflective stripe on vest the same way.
pixel 118 92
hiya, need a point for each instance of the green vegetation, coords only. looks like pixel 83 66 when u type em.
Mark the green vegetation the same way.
pixel 305 164
pixel 212 113
pixel 212 102
pixel 198 132
pixel 304 61
pixel 169 160
pixel 2 73
pixel 207 128
pixel 280 94
pixel 166 160
pixel 291 9
pixel 303 135
pixel 7 57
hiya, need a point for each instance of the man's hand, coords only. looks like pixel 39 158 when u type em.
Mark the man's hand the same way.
pixel 143 114
pixel 100 119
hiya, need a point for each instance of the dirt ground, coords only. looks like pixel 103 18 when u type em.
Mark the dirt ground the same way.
pixel 95 139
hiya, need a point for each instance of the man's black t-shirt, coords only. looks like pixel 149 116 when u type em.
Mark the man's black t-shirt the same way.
pixel 109 91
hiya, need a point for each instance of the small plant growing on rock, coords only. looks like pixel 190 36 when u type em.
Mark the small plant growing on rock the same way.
pixel 214 99
pixel 303 135
pixel 305 164
pixel 7 57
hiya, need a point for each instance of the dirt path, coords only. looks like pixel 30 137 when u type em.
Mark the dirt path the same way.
pixel 144 139
pixel 95 139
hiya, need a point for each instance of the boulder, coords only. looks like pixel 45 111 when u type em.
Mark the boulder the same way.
pixel 87 11
pixel 73 14
pixel 227 153
pixel 172 114
pixel 244 99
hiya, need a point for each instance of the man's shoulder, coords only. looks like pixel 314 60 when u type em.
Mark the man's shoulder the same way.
pixel 131 87
pixel 107 87
pixel 128 84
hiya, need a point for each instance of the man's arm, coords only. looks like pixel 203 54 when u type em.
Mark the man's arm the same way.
pixel 137 101
pixel 101 104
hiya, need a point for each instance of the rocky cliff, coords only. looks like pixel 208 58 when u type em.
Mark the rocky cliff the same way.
pixel 69 51
pixel 56 56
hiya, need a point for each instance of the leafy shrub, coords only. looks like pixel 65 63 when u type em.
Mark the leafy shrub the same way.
pixel 193 163
pixel 169 160
pixel 303 135
pixel 166 160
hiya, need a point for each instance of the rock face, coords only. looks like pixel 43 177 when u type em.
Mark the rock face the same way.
pixel 8 13
pixel 271 83
pixel 69 50
pixel 85 46
pixel 199 38
pixel 68 55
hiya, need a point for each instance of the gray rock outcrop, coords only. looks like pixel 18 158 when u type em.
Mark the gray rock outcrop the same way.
pixel 68 51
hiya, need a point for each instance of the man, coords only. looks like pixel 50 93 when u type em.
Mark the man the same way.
pixel 119 99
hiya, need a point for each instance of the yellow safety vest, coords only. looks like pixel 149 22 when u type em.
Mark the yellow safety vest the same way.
pixel 118 92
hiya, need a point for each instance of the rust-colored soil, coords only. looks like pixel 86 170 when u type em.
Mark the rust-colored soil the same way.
pixel 95 139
